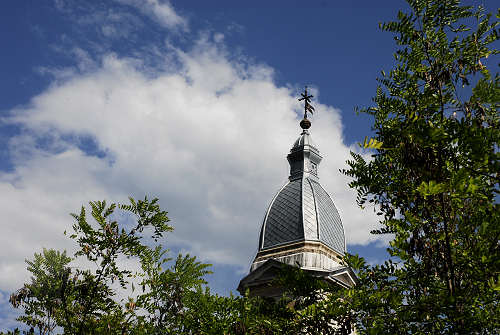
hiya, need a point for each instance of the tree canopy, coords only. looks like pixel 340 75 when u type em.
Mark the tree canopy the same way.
pixel 433 177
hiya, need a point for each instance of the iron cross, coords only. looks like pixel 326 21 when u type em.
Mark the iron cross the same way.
pixel 307 103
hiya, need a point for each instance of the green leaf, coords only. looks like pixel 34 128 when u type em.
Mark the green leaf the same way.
pixel 371 143
pixel 431 188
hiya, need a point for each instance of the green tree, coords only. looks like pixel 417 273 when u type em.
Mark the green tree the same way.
pixel 166 292
pixel 173 297
pixel 84 300
pixel 433 178
pixel 315 305
pixel 90 301
pixel 40 298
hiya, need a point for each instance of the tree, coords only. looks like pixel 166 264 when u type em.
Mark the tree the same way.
pixel 40 298
pixel 84 300
pixel 173 297
pixel 89 301
pixel 433 178
pixel 170 291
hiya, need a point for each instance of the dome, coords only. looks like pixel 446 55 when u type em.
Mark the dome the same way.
pixel 301 228
pixel 302 210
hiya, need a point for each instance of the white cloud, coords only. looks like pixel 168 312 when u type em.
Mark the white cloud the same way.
pixel 208 137
pixel 160 11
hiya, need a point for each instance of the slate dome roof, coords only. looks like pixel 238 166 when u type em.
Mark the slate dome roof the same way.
pixel 302 210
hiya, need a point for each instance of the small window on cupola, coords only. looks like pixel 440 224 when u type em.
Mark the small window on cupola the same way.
pixel 314 169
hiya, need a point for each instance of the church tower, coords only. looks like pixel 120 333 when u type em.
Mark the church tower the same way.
pixel 302 226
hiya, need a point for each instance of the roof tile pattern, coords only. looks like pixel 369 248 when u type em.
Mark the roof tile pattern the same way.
pixel 303 210
pixel 331 231
pixel 283 221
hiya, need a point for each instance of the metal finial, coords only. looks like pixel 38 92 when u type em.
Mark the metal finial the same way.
pixel 305 123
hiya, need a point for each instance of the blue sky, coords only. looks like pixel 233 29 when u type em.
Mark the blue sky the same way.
pixel 190 101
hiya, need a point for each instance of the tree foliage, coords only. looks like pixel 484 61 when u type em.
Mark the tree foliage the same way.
pixel 84 300
pixel 161 296
pixel 433 178
pixel 40 298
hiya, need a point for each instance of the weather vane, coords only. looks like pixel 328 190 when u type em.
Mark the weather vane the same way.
pixel 305 123
pixel 307 103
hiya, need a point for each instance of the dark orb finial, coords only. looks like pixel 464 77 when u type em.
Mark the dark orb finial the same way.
pixel 305 124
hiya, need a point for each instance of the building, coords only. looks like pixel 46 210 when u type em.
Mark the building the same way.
pixel 301 227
